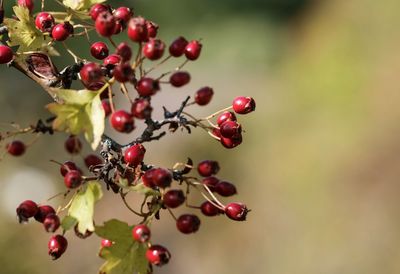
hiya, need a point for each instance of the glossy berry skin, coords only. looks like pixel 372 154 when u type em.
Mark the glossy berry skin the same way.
pixel 153 49
pixel 243 105
pixel 106 243
pixel 208 209
pixel 57 246
pixel 51 223
pixel 123 14
pixel 152 29
pixel 188 223
pixel 141 233
pixel 211 182
pixel 99 50
pixel 73 145
pixel 177 47
pixel 43 211
pixel 16 148
pixel 44 21
pixel 29 4
pixel 233 142
pixel 192 50
pixel 122 121
pixel 137 29
pixel 112 60
pixel 124 51
pixel 173 198
pixel 147 178
pixel 225 189
pixel 123 73
pixel 208 168
pixel 216 132
pixel 179 78
pixel 203 96
pixel 96 9
pixel 6 54
pixel 162 177
pixel 230 129
pixel 141 109
pixel 134 155
pixel 62 31
pixel 73 179
pixel 236 211
pixel 106 107
pixel 226 116
pixel 158 255
pixel 147 86
pixel 92 160
pixel 105 24
pixel 27 209
pixel 91 73
pixel 67 166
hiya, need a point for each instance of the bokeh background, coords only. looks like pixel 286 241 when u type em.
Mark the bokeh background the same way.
pixel 320 161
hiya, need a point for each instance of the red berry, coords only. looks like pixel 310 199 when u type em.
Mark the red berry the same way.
pixel 173 198
pixel 179 78
pixel 188 223
pixel 152 29
pixel 51 222
pixel 6 54
pixel 177 47
pixel 193 49
pixel 44 21
pixel 73 145
pixel 43 211
pixel 236 211
pixel 118 27
pixel 137 29
pixel 147 178
pixel 216 132
pixel 123 14
pixel 226 116
pixel 123 73
pixel 211 182
pixel 141 233
pixel 73 179
pixel 153 49
pixel 26 210
pixel 62 31
pixel 106 243
pixel 208 209
pixel 112 60
pixel 105 24
pixel 26 3
pixel 229 129
pixel 162 177
pixel 158 255
pixel 106 106
pixel 207 168
pixel 203 96
pixel 57 246
pixel 91 73
pixel 141 109
pixel 225 189
pixel 97 9
pixel 231 142
pixel 125 51
pixel 134 155
pixel 243 105
pixel 99 50
pixel 16 148
pixel 147 86
pixel 92 160
pixel 122 121
pixel 67 166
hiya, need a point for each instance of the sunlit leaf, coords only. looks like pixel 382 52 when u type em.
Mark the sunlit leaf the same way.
pixel 80 5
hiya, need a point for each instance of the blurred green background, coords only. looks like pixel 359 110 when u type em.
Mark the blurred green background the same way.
pixel 319 165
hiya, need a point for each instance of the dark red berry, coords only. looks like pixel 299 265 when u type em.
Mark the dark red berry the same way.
pixel 211 182
pixel 177 47
pixel 158 255
pixel 188 223
pixel 91 74
pixel 230 129
pixel 207 168
pixel 67 166
pixel 73 145
pixel 122 121
pixel 208 209
pixel 226 116
pixel 29 4
pixel 118 27
pixel 243 105
pixel 173 198
pixel 123 14
pixel 106 106
pixel 236 211
pixel 92 160
pixel 73 179
pixel 134 155
pixel 179 78
pixel 203 96
pixel 123 73
pixel 27 209
pixel 6 54
pixel 62 31
pixel 44 21
pixel 99 50
pixel 193 49
pixel 105 24
pixel 137 29
pixel 57 246
pixel 112 60
pixel 16 148
pixel 162 177
pixel 231 142
pixel 147 86
pixel 51 222
pixel 225 189
pixel 152 29
pixel 153 49
pixel 147 178
pixel 141 109
pixel 97 9
pixel 141 233
pixel 125 51
pixel 106 243
pixel 43 211
pixel 216 132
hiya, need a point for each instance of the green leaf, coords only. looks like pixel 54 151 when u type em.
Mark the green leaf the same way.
pixel 80 5
pixel 68 222
pixel 81 111
pixel 82 206
pixel 142 189
pixel 125 256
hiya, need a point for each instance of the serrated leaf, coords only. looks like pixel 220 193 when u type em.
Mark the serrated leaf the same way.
pixel 80 5
pixel 68 222
pixel 81 111
pixel 82 206
pixel 125 256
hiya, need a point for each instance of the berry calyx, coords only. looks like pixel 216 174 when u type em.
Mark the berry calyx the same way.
pixel 226 116
pixel 231 142
pixel 193 49
pixel 62 31
pixel 158 255
pixel 236 211
pixel 6 54
pixel 57 246
pixel 177 47
pixel 179 78
pixel 243 105
pixel 137 29
pixel 141 108
pixel 51 222
pixel 134 155
pixel 73 145
pixel 141 233
pixel 122 121
pixel 207 168
pixel 173 198
pixel 67 166
pixel 203 96
pixel 16 148
pixel 97 9
pixel 208 209
pixel 105 24
pixel 27 209
pixel 44 21
pixel 154 49
pixel 43 212
pixel 188 223
pixel 225 189
pixel 147 86
pixel 73 179
pixel 230 129
pixel 92 160
pixel 99 50
pixel 123 73
pixel 125 51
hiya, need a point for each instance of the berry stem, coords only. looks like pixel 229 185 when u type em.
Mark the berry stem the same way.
pixel 172 214
pixel 125 92
pixel 157 65
pixel 128 206
pixel 218 112
pixel 110 96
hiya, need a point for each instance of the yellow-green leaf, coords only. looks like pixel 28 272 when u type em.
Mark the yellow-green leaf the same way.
pixel 80 5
